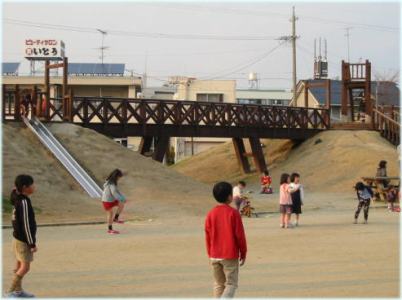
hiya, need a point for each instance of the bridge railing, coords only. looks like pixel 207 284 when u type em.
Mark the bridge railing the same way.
pixel 388 124
pixel 168 112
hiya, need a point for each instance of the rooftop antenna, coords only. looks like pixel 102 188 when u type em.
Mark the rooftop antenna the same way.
pixel 348 40
pixel 319 50
pixel 325 49
pixel 144 79
pixel 315 51
pixel 102 48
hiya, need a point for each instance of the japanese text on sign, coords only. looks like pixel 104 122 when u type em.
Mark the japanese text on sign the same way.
pixel 42 49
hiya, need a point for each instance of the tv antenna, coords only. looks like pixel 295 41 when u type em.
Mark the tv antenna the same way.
pixel 102 48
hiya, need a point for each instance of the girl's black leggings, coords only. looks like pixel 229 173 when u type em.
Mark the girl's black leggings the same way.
pixel 366 205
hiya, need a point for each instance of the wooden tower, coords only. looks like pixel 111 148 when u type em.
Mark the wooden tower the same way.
pixel 356 90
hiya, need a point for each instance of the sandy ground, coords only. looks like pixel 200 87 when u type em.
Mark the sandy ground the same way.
pixel 327 256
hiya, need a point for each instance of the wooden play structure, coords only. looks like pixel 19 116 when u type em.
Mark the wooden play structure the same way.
pixel 356 91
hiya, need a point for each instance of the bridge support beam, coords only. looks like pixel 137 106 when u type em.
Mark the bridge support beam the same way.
pixel 161 148
pixel 241 154
pixel 145 145
pixel 258 155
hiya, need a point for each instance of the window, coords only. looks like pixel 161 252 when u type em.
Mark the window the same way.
pixel 210 97
pixel 278 102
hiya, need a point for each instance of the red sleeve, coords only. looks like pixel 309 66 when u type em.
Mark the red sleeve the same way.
pixel 208 235
pixel 269 180
pixel 240 235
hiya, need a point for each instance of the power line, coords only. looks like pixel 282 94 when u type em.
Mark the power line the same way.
pixel 245 65
pixel 262 13
pixel 140 34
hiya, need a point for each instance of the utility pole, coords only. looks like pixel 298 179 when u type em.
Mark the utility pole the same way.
pixel 347 36
pixel 294 54
pixel 292 38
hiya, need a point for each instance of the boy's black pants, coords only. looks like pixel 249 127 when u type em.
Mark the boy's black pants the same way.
pixel 365 203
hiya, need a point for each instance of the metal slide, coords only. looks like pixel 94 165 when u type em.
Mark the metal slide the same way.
pixel 50 142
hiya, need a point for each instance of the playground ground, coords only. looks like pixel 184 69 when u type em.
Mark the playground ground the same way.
pixel 327 256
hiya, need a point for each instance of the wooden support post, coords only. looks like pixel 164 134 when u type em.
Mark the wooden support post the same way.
pixel 47 89
pixel 4 102
pixel 64 86
pixel 328 102
pixel 70 106
pixel 306 94
pixel 145 145
pixel 34 100
pixel 258 155
pixel 367 90
pixel 17 103
pixel 240 154
pixel 344 102
pixel 352 105
pixel 161 148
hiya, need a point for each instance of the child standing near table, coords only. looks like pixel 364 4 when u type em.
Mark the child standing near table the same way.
pixel 364 195
pixel 392 195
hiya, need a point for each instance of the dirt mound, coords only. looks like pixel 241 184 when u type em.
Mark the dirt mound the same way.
pixel 152 189
pixel 220 162
pixel 330 161
pixel 58 197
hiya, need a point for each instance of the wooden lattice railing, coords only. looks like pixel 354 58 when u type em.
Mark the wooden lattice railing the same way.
pixel 86 110
pixel 164 112
pixel 387 122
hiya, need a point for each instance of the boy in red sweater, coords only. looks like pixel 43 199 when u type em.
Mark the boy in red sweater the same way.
pixel 225 241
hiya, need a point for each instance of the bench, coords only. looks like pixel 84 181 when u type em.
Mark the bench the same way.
pixel 378 188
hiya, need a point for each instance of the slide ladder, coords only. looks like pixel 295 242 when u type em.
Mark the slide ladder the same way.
pixel 53 145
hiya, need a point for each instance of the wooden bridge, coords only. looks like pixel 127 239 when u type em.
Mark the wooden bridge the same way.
pixel 162 119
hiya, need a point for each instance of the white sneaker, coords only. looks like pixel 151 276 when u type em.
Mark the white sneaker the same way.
pixel 282 225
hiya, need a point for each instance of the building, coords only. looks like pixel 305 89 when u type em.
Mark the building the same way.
pixel 162 92
pixel 386 92
pixel 192 89
pixel 90 80
pixel 263 97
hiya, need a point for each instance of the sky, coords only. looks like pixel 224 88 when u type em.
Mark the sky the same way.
pixel 209 40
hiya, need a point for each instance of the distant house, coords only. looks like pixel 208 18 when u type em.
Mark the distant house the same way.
pixel 161 92
pixel 85 80
pixel 263 97
pixel 387 93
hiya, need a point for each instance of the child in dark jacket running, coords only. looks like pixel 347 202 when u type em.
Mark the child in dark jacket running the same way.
pixel 364 195
pixel 24 225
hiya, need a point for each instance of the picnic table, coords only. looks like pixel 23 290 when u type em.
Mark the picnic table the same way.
pixel 377 186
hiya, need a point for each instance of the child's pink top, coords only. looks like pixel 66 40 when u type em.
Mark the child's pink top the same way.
pixel 284 195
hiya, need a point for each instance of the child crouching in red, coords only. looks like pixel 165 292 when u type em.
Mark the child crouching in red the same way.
pixel 225 241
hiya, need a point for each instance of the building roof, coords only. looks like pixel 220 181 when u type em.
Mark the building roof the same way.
pixel 9 68
pixel 95 69
pixel 263 94
pixel 388 92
